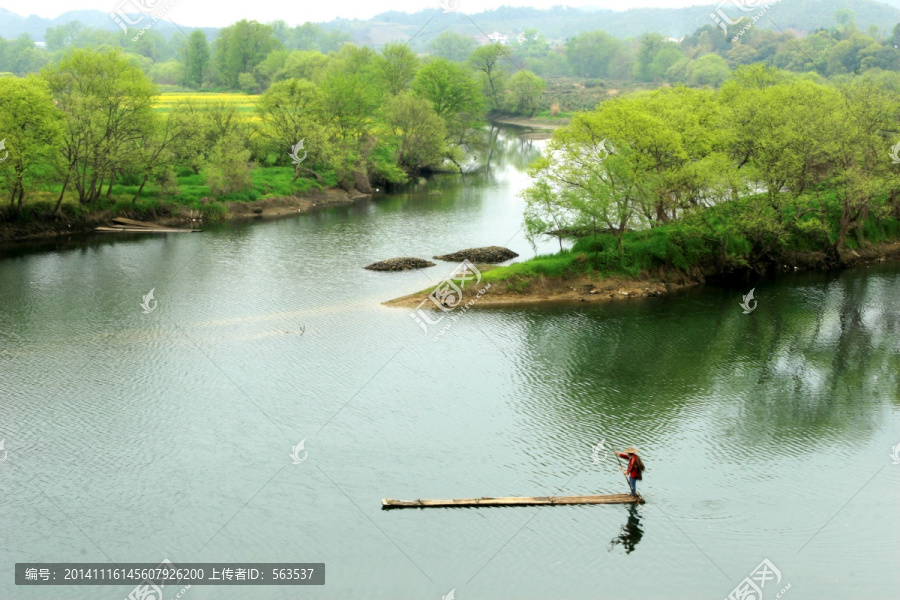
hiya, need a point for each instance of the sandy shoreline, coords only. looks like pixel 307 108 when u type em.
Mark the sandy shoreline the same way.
pixel 551 290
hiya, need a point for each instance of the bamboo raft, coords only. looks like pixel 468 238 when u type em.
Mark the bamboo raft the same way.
pixel 121 224
pixel 526 501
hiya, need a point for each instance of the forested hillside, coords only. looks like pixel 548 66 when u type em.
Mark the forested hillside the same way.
pixel 555 23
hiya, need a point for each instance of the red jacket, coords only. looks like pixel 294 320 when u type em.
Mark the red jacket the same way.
pixel 632 468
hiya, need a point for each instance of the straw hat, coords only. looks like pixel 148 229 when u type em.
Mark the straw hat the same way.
pixel 630 450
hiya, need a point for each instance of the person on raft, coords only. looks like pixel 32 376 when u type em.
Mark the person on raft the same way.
pixel 635 467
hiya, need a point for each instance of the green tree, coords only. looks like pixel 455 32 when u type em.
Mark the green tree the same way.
pixel 229 169
pixel 350 96
pixel 108 102
pixel 524 89
pixel 784 135
pixel 310 36
pixel 456 97
pixel 23 56
pixel 195 56
pixel 70 35
pixel 533 44
pixel 651 45
pixel 292 111
pixel 708 70
pixel 453 46
pixel 247 83
pixel 487 60
pixel 860 173
pixel 203 126
pixel 449 87
pixel 151 158
pixel 592 54
pixel 418 130
pixel 304 64
pixel 241 47
pixel 32 131
pixel 580 184
pixel 397 67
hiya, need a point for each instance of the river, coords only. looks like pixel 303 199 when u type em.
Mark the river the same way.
pixel 135 436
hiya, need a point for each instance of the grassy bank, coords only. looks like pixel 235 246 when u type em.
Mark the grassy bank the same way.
pixel 190 199
pixel 684 253
pixel 724 244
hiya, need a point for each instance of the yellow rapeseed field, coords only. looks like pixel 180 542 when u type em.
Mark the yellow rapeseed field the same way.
pixel 243 103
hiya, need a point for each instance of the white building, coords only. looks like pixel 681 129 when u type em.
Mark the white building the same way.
pixel 498 38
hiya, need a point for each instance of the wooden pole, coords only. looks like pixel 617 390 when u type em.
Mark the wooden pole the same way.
pixel 621 468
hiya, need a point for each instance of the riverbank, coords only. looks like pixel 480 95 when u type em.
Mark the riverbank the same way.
pixel 45 226
pixel 509 287
pixel 543 127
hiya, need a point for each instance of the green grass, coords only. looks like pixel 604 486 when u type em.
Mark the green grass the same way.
pixel 267 182
pixel 679 247
pixel 562 115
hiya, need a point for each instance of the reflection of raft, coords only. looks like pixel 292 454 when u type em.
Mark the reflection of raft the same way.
pixel 526 501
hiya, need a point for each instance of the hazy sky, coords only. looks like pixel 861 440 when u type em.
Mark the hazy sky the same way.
pixel 225 12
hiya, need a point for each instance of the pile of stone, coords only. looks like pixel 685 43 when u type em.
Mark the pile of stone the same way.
pixel 404 263
pixel 486 255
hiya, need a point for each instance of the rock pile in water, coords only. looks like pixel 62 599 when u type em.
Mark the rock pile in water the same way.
pixel 404 263
pixel 488 254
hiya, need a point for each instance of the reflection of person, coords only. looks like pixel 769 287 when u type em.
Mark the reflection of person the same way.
pixel 635 467
pixel 631 532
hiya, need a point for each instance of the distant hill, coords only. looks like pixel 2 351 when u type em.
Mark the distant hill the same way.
pixel 560 23
pixel 556 23
pixel 13 25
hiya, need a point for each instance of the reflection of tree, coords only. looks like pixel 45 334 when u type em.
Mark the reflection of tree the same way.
pixel 497 151
pixel 507 148
pixel 630 534
pixel 812 364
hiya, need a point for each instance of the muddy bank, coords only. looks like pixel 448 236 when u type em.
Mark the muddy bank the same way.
pixel 541 128
pixel 585 289
pixel 554 290
pixel 175 215
pixel 282 206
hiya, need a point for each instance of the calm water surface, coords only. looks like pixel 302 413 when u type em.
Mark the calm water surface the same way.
pixel 136 437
